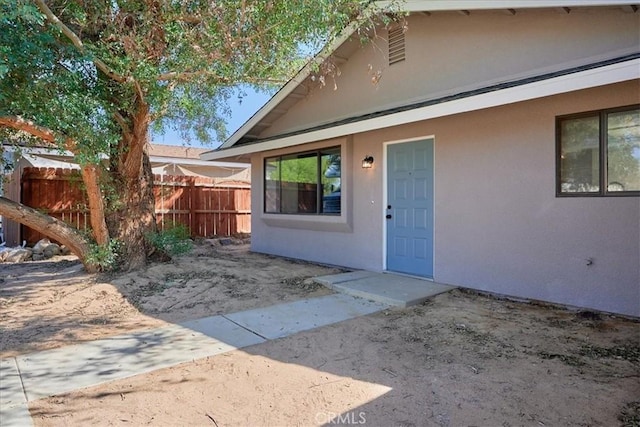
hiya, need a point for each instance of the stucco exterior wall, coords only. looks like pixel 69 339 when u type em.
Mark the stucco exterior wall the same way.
pixel 447 53
pixel 498 225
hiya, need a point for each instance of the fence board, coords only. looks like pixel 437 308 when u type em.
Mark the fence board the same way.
pixel 206 207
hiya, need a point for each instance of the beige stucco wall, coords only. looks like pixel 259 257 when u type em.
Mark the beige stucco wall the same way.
pixel 448 52
pixel 498 225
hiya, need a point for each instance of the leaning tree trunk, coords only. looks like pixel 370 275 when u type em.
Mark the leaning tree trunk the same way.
pixel 49 226
pixel 132 217
pixel 90 173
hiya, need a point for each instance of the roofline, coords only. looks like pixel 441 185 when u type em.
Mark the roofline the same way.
pixel 196 162
pixel 407 6
pixel 50 151
pixel 492 96
pixel 292 84
pixel 67 156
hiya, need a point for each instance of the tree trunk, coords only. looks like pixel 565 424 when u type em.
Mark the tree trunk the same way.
pixel 50 227
pixel 96 205
pixel 133 217
pixel 89 173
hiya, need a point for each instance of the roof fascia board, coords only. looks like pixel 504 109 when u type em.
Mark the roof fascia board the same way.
pixel 292 84
pixel 446 5
pixel 196 162
pixel 609 74
pixel 407 6
pixel 37 150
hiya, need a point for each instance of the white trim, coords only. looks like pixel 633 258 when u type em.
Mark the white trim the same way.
pixel 37 150
pixel 406 6
pixel 316 222
pixel 196 162
pixel 446 5
pixel 295 82
pixel 385 198
pixel 608 74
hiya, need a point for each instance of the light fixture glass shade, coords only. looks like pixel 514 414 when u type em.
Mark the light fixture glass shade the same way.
pixel 367 162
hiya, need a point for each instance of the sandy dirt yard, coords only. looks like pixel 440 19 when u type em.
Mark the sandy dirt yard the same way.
pixel 460 359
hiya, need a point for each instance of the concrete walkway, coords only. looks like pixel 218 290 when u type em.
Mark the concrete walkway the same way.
pixel 387 288
pixel 47 373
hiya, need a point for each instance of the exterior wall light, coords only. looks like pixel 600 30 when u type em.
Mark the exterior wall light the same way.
pixel 367 162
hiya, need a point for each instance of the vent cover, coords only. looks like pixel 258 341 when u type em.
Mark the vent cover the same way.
pixel 396 45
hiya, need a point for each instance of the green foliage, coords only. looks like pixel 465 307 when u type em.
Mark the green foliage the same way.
pixel 98 73
pixel 105 257
pixel 174 240
pixel 303 168
pixel 47 80
pixel 184 59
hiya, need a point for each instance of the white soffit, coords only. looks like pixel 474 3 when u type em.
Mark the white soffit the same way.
pixel 601 76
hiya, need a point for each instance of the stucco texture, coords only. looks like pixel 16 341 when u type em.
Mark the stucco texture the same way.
pixel 499 226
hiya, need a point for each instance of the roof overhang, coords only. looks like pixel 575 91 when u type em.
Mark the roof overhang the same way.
pixel 196 162
pixel 406 6
pixel 554 85
pixel 51 151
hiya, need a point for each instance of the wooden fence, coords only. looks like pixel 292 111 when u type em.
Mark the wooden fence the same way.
pixel 207 207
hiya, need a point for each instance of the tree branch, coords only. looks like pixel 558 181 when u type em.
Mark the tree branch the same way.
pixel 89 173
pixel 122 122
pixel 77 42
pixel 190 75
pixel 49 226
pixel 18 123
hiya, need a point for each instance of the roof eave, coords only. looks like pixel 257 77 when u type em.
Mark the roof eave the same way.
pixel 593 77
pixel 289 87
pixel 196 162
pixel 407 6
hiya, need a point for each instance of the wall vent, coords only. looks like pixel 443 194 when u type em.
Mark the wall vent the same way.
pixel 396 45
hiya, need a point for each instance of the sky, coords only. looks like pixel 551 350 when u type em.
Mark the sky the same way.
pixel 240 113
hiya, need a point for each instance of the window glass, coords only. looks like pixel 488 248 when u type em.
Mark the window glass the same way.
pixel 272 185
pixel 623 151
pixel 580 155
pixel 298 182
pixel 303 183
pixel 331 170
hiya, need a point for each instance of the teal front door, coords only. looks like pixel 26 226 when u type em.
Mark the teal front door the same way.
pixel 409 213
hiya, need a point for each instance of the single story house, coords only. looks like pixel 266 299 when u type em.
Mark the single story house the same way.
pixel 493 145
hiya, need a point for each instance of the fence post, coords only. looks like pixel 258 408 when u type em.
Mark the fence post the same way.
pixel 194 202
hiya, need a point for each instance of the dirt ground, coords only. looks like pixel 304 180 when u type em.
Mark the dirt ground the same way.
pixel 459 359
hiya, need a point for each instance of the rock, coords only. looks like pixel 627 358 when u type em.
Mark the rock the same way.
pixel 41 246
pixel 37 257
pixel 51 250
pixel 64 250
pixel 226 242
pixel 4 253
pixel 19 255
